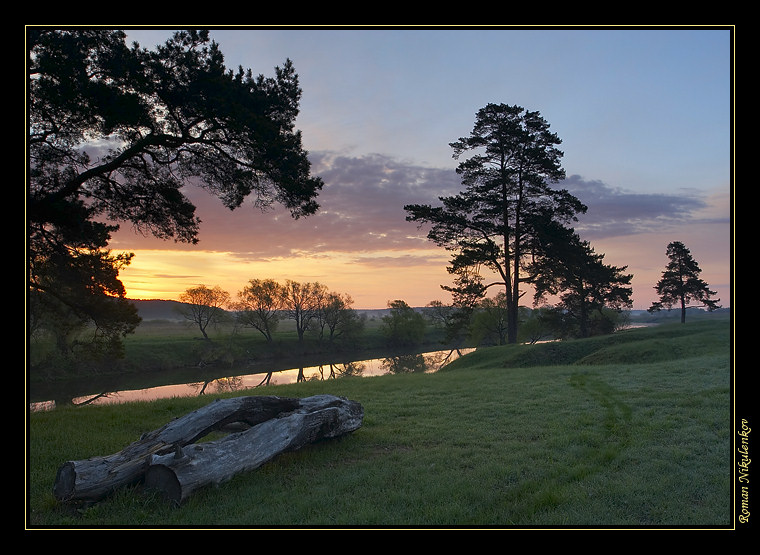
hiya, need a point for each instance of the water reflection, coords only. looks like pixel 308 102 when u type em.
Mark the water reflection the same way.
pixel 427 362
pixel 405 363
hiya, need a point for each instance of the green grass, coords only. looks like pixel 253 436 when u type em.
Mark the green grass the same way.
pixel 632 429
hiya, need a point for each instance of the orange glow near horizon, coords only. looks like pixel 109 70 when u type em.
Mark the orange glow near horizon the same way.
pixel 361 245
pixel 165 274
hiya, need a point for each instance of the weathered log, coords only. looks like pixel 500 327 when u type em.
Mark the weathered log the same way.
pixel 97 477
pixel 176 476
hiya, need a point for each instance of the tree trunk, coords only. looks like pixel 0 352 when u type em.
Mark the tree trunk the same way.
pixel 274 425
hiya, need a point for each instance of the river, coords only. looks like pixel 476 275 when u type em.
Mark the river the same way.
pixel 101 394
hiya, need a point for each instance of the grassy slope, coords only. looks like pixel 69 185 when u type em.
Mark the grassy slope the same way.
pixel 626 430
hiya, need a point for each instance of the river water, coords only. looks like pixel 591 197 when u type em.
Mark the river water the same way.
pixel 424 362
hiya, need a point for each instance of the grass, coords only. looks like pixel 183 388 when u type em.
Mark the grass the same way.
pixel 628 430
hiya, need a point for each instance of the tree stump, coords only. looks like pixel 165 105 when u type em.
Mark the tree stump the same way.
pixel 169 461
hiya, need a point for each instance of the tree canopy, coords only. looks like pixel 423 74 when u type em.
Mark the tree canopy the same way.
pixel 259 306
pixel 115 133
pixel 311 306
pixel 204 306
pixel 495 222
pixel 403 326
pixel 587 288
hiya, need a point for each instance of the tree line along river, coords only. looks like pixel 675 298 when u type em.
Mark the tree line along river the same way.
pixel 46 396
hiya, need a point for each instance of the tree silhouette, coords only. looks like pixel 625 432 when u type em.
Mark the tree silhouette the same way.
pixel 495 222
pixel 587 288
pixel 336 320
pixel 302 303
pixel 680 283
pixel 204 306
pixel 116 132
pixel 259 306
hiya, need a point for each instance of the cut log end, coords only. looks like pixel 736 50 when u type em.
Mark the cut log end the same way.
pixel 161 480
pixel 65 482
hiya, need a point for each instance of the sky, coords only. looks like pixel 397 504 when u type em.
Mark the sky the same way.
pixel 644 115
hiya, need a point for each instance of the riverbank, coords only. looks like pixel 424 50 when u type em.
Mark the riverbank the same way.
pixel 167 352
pixel 162 350
pixel 121 389
pixel 615 440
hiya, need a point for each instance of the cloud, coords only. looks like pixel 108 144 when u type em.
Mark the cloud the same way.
pixel 614 212
pixel 401 261
pixel 360 242
pixel 361 211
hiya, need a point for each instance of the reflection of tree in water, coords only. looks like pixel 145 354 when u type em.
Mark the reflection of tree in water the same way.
pixel 266 379
pixel 81 401
pixel 405 364
pixel 419 363
pixel 220 385
pixel 332 371
pixel 349 369
pixel 440 359
pixel 324 372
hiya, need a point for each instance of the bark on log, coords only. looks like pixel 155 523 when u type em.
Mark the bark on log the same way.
pixel 177 476
pixel 97 477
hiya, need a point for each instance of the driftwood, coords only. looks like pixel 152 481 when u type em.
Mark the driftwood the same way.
pixel 168 460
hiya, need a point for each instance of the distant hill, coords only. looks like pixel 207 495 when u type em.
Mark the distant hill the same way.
pixel 157 309
pixel 167 310
pixel 675 314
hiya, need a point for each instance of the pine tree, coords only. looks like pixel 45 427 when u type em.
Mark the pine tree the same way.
pixel 493 225
pixel 680 283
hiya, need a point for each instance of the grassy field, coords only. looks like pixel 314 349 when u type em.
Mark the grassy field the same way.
pixel 627 430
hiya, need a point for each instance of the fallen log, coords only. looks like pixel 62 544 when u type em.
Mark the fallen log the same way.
pixel 320 416
pixel 176 476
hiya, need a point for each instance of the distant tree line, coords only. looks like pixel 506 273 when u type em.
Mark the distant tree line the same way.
pixel 263 303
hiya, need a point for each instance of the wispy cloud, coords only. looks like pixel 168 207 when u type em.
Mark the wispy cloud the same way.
pixel 614 212
pixel 361 211
pixel 360 240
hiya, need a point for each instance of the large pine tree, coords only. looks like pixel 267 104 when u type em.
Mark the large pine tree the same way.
pixel 495 221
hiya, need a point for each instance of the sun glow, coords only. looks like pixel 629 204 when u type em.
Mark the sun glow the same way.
pixel 371 279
